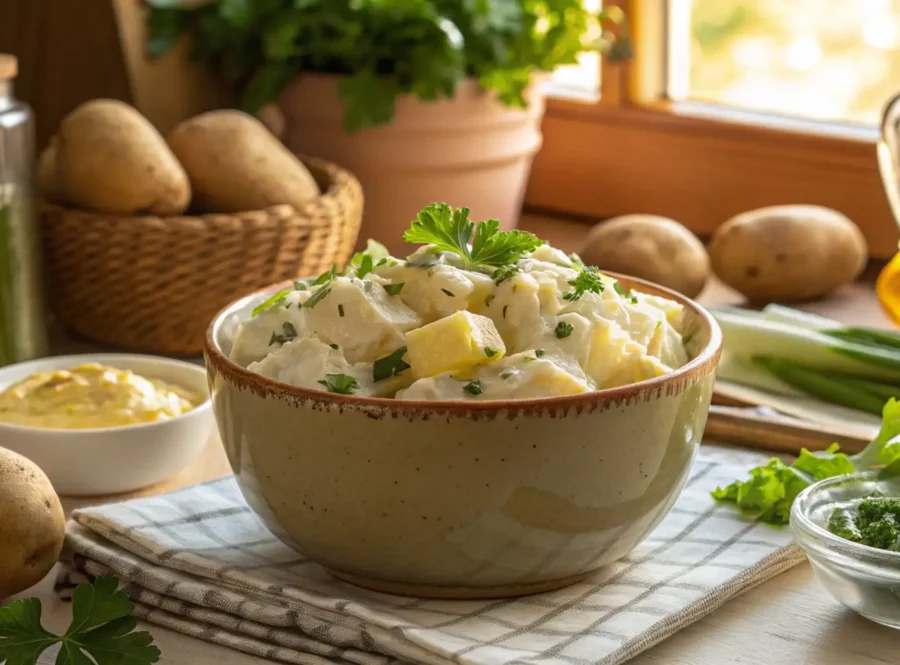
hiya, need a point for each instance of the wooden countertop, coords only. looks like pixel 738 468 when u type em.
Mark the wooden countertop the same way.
pixel 789 620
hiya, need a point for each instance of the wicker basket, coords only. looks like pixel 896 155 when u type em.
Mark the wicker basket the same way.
pixel 153 284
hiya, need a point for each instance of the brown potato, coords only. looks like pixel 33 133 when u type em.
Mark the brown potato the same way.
pixel 788 253
pixel 111 159
pixel 47 181
pixel 32 524
pixel 236 164
pixel 655 248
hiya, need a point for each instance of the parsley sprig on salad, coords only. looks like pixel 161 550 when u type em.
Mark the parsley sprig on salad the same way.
pixel 450 230
pixel 101 632
pixel 771 489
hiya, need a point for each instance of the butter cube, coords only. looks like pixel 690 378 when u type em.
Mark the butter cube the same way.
pixel 455 343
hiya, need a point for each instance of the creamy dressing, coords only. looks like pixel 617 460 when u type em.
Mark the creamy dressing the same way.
pixel 91 396
pixel 550 340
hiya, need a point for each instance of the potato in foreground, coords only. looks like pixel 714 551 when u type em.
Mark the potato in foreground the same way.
pixel 32 524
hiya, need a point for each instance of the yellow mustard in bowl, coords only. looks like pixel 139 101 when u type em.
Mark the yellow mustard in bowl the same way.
pixel 91 396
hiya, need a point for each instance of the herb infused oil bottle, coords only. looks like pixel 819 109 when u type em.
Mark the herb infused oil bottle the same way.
pixel 23 333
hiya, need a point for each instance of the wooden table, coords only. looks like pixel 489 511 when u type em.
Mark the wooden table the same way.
pixel 788 620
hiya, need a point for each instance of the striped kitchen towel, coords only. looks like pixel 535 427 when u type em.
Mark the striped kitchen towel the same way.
pixel 198 561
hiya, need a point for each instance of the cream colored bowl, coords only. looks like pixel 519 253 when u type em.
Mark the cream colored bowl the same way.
pixel 462 499
pixel 113 459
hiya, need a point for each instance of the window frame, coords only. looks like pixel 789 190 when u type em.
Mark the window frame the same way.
pixel 650 154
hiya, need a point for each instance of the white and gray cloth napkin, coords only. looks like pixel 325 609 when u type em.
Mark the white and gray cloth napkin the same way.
pixel 198 561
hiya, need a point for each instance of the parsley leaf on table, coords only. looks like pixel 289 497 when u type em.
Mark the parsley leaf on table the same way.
pixel 102 629
pixel 450 230
pixel 771 489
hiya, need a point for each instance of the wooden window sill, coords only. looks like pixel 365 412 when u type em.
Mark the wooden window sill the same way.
pixel 602 160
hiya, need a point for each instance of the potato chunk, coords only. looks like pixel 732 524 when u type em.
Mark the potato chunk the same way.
pixel 455 343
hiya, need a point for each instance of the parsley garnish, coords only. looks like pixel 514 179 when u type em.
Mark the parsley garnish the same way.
pixel 473 387
pixel 489 352
pixel 365 266
pixel 563 329
pixel 504 310
pixel 587 280
pixel 394 289
pixel 269 303
pixel 488 299
pixel 391 365
pixel 449 293
pixel 341 311
pixel 449 229
pixel 290 332
pixel 340 384
pixel 101 631
pixel 334 346
pixel 539 353
pixel 634 299
pixel 505 374
pixel 317 297
pixel 502 274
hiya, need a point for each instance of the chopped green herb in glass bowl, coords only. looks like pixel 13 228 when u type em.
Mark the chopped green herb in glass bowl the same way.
pixel 859 564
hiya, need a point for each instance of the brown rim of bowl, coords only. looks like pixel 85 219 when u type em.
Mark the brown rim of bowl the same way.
pixel 702 364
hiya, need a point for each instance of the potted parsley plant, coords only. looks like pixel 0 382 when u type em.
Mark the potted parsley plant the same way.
pixel 425 100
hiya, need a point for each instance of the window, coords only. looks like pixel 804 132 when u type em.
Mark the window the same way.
pixel 829 60
pixel 728 105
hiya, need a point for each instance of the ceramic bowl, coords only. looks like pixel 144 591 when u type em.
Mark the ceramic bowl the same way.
pixel 114 459
pixel 462 499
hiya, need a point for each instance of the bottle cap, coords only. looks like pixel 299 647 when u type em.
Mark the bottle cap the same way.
pixel 9 66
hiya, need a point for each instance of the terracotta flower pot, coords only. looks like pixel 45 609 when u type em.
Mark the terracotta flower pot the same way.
pixel 471 150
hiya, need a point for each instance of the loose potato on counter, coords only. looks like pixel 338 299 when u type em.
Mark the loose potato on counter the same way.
pixel 32 525
pixel 651 247
pixel 788 253
pixel 110 158
pixel 236 164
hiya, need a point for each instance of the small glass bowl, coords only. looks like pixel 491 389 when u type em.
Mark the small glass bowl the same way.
pixel 865 579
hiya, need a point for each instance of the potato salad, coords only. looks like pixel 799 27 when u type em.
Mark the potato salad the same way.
pixel 474 314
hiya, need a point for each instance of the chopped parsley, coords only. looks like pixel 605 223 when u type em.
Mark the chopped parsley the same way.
pixel 473 387
pixel 341 384
pixel 394 289
pixel 390 365
pixel 875 523
pixel 563 329
pixel 504 310
pixel 587 281
pixel 489 352
pixel 334 346
pixel 507 373
pixel 318 296
pixel 502 274
pixel 269 303
pixel 449 293
pixel 385 261
pixel 289 333
pixel 484 244
pixel 341 311
pixel 539 353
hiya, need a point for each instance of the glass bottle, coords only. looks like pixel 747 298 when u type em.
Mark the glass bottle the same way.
pixel 23 333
